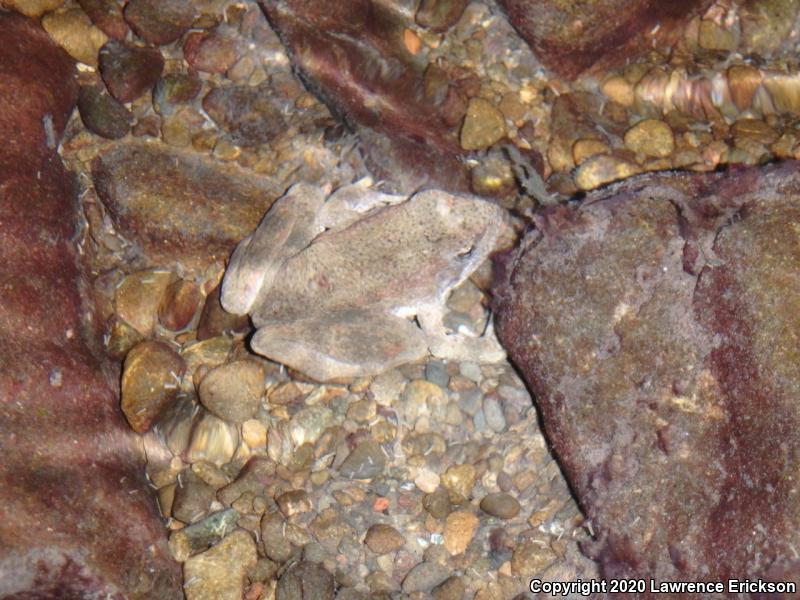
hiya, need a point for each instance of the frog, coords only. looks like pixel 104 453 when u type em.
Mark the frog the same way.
pixel 354 283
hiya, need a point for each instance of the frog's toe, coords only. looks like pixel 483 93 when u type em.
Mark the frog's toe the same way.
pixel 342 345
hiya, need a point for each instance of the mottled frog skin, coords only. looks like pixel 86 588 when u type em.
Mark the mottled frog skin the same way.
pixel 332 284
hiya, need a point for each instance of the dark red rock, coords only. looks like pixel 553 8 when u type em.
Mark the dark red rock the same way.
pixel 159 21
pixel 107 15
pixel 353 56
pixel 129 71
pixel 169 203
pixel 77 519
pixel 102 114
pixel 570 37
pixel 656 325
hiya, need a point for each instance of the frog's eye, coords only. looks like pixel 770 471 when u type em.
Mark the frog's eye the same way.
pixel 467 253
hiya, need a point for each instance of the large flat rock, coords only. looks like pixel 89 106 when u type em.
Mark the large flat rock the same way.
pixel 77 519
pixel 657 325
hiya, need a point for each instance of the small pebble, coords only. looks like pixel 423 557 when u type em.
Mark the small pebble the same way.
pixel 195 538
pixel 435 372
pixel 601 169
pixel 210 52
pixel 179 304
pixel 219 573
pixel 382 539
pixel 213 440
pixel 424 577
pixel 531 558
pixel 74 31
pixel 159 21
pixel 650 137
pixel 233 391
pixel 193 498
pixel 107 15
pixel 440 15
pixel 129 71
pixel 452 588
pixel 305 581
pixel 459 529
pixel 500 505
pixel 365 462
pixel 471 370
pixel 437 504
pixel 151 376
pixel 102 114
pixel 427 481
pixel 493 413
pixel 483 125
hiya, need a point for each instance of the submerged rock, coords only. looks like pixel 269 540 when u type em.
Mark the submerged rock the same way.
pixel 569 37
pixel 169 202
pixel 353 55
pixel 76 518
pixel 657 326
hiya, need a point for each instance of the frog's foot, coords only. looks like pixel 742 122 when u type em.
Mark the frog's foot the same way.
pixel 286 229
pixel 458 346
pixel 345 344
pixel 350 203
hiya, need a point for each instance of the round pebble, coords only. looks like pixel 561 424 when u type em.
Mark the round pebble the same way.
pixel 500 505
pixel 103 114
pixel 129 71
pixel 159 21
pixel 493 413
pixel 650 137
pixel 382 539
pixel 365 462
pixel 151 376
pixel 233 391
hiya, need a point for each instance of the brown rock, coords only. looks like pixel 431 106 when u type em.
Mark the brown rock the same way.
pixel 219 573
pixel 129 71
pixel 215 320
pixel 233 391
pixel 150 382
pixel 501 505
pixel 138 296
pixel 483 125
pixel 305 581
pixel 159 21
pixel 32 8
pixel 210 52
pixel 682 329
pixel 179 304
pixel 570 37
pixel 440 15
pixel 102 114
pixel 107 15
pixel 382 539
pixel 250 115
pixel 170 203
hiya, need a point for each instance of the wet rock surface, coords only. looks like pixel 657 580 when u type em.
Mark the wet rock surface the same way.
pixel 152 192
pixel 665 384
pixel 571 37
pixel 75 511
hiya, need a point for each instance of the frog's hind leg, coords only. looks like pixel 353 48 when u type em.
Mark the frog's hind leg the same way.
pixel 458 346
pixel 344 344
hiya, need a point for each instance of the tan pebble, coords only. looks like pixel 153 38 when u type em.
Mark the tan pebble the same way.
pixel 121 338
pixel 412 41
pixel 151 376
pixel 713 37
pixel 179 304
pixel 213 440
pixel 210 353
pixel 583 149
pixel 459 479
pixel 512 107
pixel 650 137
pixel 32 8
pixel 459 529
pixel 254 434
pixel 293 502
pixel 743 81
pixel 166 495
pixel 382 539
pixel 754 129
pixel 602 169
pixel 138 297
pixel 483 125
pixel 619 90
pixel 74 31
pixel 233 391
pixel 427 481
pixel 532 557
pixel 220 572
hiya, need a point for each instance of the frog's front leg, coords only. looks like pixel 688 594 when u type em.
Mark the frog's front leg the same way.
pixel 347 343
pixel 286 229
pixel 458 346
pixel 351 202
